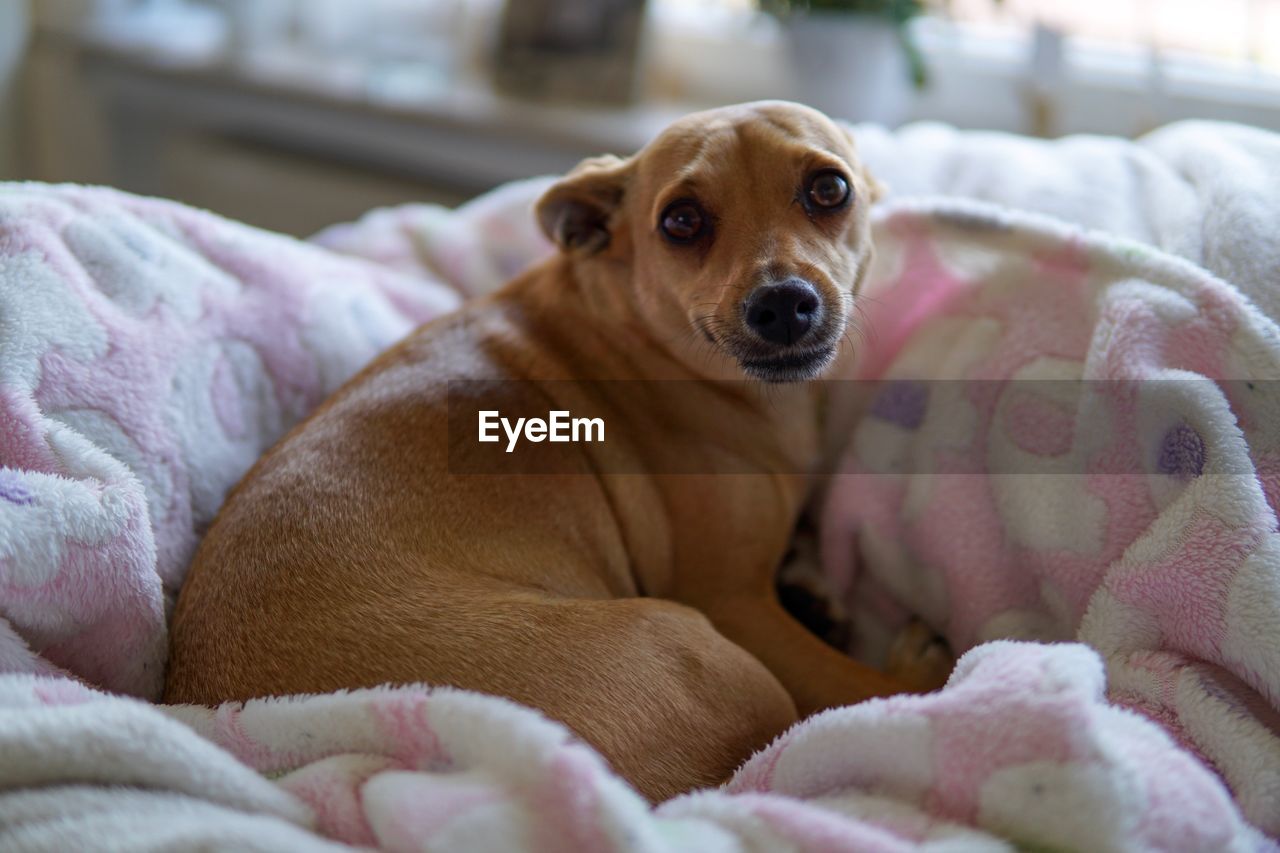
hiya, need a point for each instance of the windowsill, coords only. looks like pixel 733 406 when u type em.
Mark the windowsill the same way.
pixel 1093 63
pixel 1098 88
pixel 142 118
pixel 407 90
pixel 980 79
pixel 455 133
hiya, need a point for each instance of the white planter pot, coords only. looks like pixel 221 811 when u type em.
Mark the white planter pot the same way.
pixel 849 66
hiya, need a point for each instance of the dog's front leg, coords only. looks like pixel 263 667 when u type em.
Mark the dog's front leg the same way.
pixel 816 675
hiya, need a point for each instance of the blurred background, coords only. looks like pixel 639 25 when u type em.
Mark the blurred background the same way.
pixel 294 114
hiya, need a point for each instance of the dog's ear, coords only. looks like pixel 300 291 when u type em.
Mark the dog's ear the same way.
pixel 576 212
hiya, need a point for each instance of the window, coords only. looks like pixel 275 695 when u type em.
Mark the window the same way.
pixel 1042 66
pixel 1237 33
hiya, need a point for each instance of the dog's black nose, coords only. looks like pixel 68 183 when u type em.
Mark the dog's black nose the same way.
pixel 782 313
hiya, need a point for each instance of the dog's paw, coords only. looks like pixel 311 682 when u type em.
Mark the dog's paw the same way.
pixel 813 606
pixel 919 658
pixel 805 593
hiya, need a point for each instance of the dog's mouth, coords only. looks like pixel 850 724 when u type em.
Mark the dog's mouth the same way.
pixel 797 363
pixel 789 366
pixel 801 361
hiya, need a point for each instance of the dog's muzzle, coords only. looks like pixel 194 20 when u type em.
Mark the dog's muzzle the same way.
pixel 783 313
pixel 785 321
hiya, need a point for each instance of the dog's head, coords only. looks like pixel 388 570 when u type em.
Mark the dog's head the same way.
pixel 743 229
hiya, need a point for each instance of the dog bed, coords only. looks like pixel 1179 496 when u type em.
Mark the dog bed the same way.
pixel 149 353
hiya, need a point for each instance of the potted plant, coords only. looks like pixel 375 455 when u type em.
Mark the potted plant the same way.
pixel 852 59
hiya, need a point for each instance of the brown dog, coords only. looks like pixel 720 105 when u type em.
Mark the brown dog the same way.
pixel 617 591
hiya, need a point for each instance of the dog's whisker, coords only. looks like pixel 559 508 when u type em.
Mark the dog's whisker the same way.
pixel 866 329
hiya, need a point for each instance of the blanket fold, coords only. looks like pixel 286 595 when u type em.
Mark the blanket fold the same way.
pixel 1012 754
pixel 149 353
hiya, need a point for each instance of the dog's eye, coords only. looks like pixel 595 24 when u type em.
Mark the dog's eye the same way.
pixel 682 222
pixel 828 189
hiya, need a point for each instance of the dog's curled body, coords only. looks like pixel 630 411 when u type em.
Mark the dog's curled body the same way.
pixel 629 600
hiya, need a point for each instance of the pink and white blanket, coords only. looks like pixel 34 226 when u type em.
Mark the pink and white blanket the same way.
pixel 1075 437
pixel 148 353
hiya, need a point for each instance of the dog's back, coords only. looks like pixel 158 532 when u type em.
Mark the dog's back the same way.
pixel 350 556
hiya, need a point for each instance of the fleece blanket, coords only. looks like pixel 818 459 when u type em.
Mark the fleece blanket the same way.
pixel 1205 191
pixel 1020 751
pixel 1073 439
pixel 149 353
pixel 1022 748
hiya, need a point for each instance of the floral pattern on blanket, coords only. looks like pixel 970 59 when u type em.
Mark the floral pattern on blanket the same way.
pixel 149 353
pixel 1075 439
pixel 1020 751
